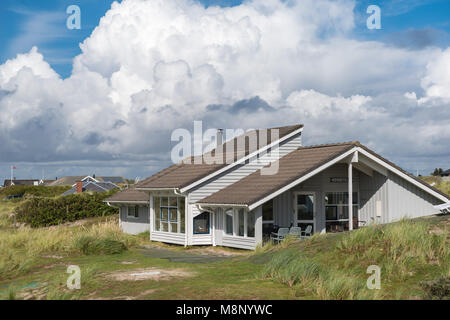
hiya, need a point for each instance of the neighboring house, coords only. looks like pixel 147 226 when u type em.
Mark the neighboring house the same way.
pixel 16 182
pixel 71 180
pixel 90 186
pixel 237 204
pixel 446 175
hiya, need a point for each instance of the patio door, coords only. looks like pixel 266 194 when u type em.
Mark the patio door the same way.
pixel 305 210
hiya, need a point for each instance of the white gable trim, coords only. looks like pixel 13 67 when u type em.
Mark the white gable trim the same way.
pixel 196 183
pixel 403 175
pixel 302 178
pixel 87 177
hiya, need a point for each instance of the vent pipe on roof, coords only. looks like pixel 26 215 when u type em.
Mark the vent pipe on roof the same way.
pixel 219 138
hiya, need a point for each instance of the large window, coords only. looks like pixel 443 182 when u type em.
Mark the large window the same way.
pixel 337 210
pixel 229 221
pixel 201 223
pixel 169 214
pixel 240 223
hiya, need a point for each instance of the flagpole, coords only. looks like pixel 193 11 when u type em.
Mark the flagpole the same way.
pixel 11 176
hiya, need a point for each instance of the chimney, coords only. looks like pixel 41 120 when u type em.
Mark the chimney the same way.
pixel 79 186
pixel 219 138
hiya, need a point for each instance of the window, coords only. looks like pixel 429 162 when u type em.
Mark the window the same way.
pixel 337 209
pixel 169 214
pixel 133 211
pixel 251 220
pixel 240 223
pixel 229 221
pixel 201 223
pixel 268 220
pixel 305 207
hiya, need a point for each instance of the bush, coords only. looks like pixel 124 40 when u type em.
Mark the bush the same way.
pixel 36 191
pixel 437 289
pixel 90 245
pixel 43 212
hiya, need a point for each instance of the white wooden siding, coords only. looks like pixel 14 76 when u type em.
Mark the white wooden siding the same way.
pixel 168 237
pixel 239 242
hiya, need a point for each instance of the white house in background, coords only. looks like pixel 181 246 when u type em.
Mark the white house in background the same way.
pixel 236 204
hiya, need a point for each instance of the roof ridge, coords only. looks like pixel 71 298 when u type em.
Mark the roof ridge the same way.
pixel 324 145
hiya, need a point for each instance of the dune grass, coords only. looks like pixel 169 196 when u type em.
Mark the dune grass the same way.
pixel 438 183
pixel 335 266
pixel 22 248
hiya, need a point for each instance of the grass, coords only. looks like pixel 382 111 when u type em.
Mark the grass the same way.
pixel 22 248
pixel 439 183
pixel 33 264
pixel 334 266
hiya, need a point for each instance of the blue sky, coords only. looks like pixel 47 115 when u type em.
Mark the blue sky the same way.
pixel 24 23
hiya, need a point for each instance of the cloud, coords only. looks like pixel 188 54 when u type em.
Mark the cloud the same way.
pixel 153 66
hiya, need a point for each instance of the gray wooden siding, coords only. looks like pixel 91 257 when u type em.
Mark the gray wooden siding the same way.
pixel 407 200
pixel 373 193
pixel 134 225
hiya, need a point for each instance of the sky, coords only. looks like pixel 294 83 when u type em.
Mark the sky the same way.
pixel 105 99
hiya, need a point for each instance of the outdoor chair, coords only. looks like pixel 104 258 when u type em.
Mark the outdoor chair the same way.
pixel 307 232
pixel 295 232
pixel 280 235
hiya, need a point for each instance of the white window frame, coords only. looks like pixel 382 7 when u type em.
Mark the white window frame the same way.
pixel 136 211
pixel 313 221
pixel 340 205
pixel 169 208
pixel 235 223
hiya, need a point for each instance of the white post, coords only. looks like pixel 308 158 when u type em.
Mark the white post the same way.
pixel 350 196
pixel 151 215
pixel 213 222
pixel 12 172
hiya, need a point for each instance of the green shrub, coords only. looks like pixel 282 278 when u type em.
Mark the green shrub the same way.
pixel 89 245
pixel 35 191
pixel 437 289
pixel 43 212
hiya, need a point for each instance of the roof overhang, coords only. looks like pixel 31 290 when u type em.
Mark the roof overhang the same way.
pixel 125 201
pixel 156 189
pixel 221 205
pixel 231 165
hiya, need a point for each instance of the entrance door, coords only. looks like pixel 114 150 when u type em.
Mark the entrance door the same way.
pixel 305 210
